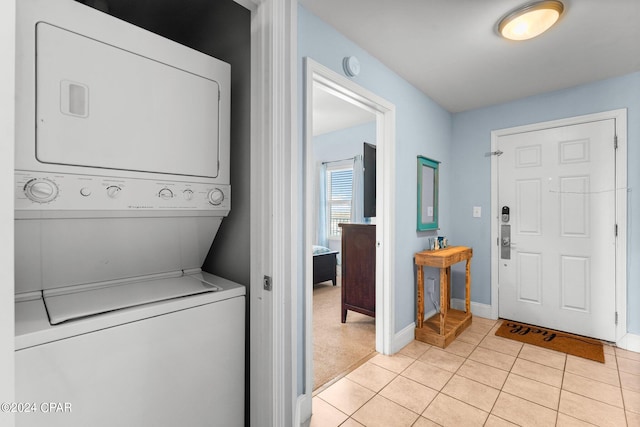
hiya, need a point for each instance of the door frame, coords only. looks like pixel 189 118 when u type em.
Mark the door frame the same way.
pixel 385 203
pixel 620 117
pixel 7 114
pixel 272 359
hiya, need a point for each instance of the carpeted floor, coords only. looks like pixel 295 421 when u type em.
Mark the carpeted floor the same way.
pixel 338 347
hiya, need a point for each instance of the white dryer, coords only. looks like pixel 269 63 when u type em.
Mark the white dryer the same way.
pixel 121 183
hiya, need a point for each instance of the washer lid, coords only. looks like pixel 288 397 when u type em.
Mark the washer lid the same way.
pixel 70 304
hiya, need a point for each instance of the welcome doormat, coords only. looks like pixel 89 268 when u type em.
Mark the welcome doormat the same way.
pixel 553 340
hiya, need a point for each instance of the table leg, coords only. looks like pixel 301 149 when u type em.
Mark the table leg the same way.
pixel 420 298
pixel 444 298
pixel 467 305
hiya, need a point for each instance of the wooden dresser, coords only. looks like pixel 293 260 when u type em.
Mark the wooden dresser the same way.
pixel 358 269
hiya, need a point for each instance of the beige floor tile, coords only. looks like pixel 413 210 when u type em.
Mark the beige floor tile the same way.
pixel 633 420
pixel 535 391
pixel 474 393
pixel 480 328
pixel 489 323
pixel 554 359
pixel 460 348
pixel 408 393
pixel 495 328
pixel 501 345
pixel 523 412
pixel 538 372
pixel 325 415
pixel 565 420
pixel 442 359
pixel 590 369
pixel 448 411
pixel 423 422
pixel 626 354
pixel 485 374
pixel 351 423
pixel 494 421
pixel 593 389
pixel 414 349
pixel 395 363
pixel 371 376
pixel 346 395
pixel 485 320
pixel 590 410
pixel 471 337
pixel 492 358
pixel 381 412
pixel 628 365
pixel 428 375
pixel 610 361
pixel 630 381
pixel 608 348
pixel 631 401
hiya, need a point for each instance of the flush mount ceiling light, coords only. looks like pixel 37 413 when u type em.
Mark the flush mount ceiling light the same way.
pixel 530 20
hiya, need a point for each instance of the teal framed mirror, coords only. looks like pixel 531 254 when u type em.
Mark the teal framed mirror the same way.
pixel 427 212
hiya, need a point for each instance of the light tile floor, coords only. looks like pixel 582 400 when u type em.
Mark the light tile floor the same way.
pixel 484 380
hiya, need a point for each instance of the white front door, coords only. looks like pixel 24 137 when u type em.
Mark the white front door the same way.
pixel 558 244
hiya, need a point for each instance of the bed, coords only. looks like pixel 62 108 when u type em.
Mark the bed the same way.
pixel 324 265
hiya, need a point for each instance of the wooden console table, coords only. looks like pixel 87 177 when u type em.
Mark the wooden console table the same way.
pixel 442 328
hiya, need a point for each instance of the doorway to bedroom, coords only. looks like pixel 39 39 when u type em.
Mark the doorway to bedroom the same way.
pixel 346 131
pixel 342 337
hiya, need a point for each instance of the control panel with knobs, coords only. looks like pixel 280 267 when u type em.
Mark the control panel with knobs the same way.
pixel 113 191
pixel 62 192
pixel 165 194
pixel 41 190
pixel 216 197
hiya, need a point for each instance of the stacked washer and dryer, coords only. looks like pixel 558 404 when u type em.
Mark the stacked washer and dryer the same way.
pixel 121 183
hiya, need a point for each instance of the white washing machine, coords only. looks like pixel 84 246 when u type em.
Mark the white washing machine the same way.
pixel 121 183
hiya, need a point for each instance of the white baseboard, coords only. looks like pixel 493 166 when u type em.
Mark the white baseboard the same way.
pixel 302 416
pixel 630 342
pixel 477 309
pixel 403 337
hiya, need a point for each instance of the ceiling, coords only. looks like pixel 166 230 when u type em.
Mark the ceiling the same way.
pixel 449 49
pixel 332 113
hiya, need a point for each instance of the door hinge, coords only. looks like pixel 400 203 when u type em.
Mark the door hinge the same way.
pixel 616 230
pixel 616 317
pixel 266 283
pixel 615 142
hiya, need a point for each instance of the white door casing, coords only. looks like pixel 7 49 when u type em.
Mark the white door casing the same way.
pixel 7 114
pixel 385 204
pixel 274 231
pixel 563 189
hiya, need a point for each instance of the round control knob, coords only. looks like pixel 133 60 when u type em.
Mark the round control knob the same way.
pixel 215 196
pixel 85 191
pixel 113 191
pixel 41 190
pixel 187 194
pixel 165 194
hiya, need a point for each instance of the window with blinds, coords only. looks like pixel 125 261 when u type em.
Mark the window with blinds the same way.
pixel 339 189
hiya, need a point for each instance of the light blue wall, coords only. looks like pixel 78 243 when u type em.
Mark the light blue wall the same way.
pixel 460 141
pixel 340 145
pixel 422 128
pixel 472 186
pixel 343 144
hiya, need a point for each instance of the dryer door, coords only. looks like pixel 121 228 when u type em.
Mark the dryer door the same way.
pixel 102 106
